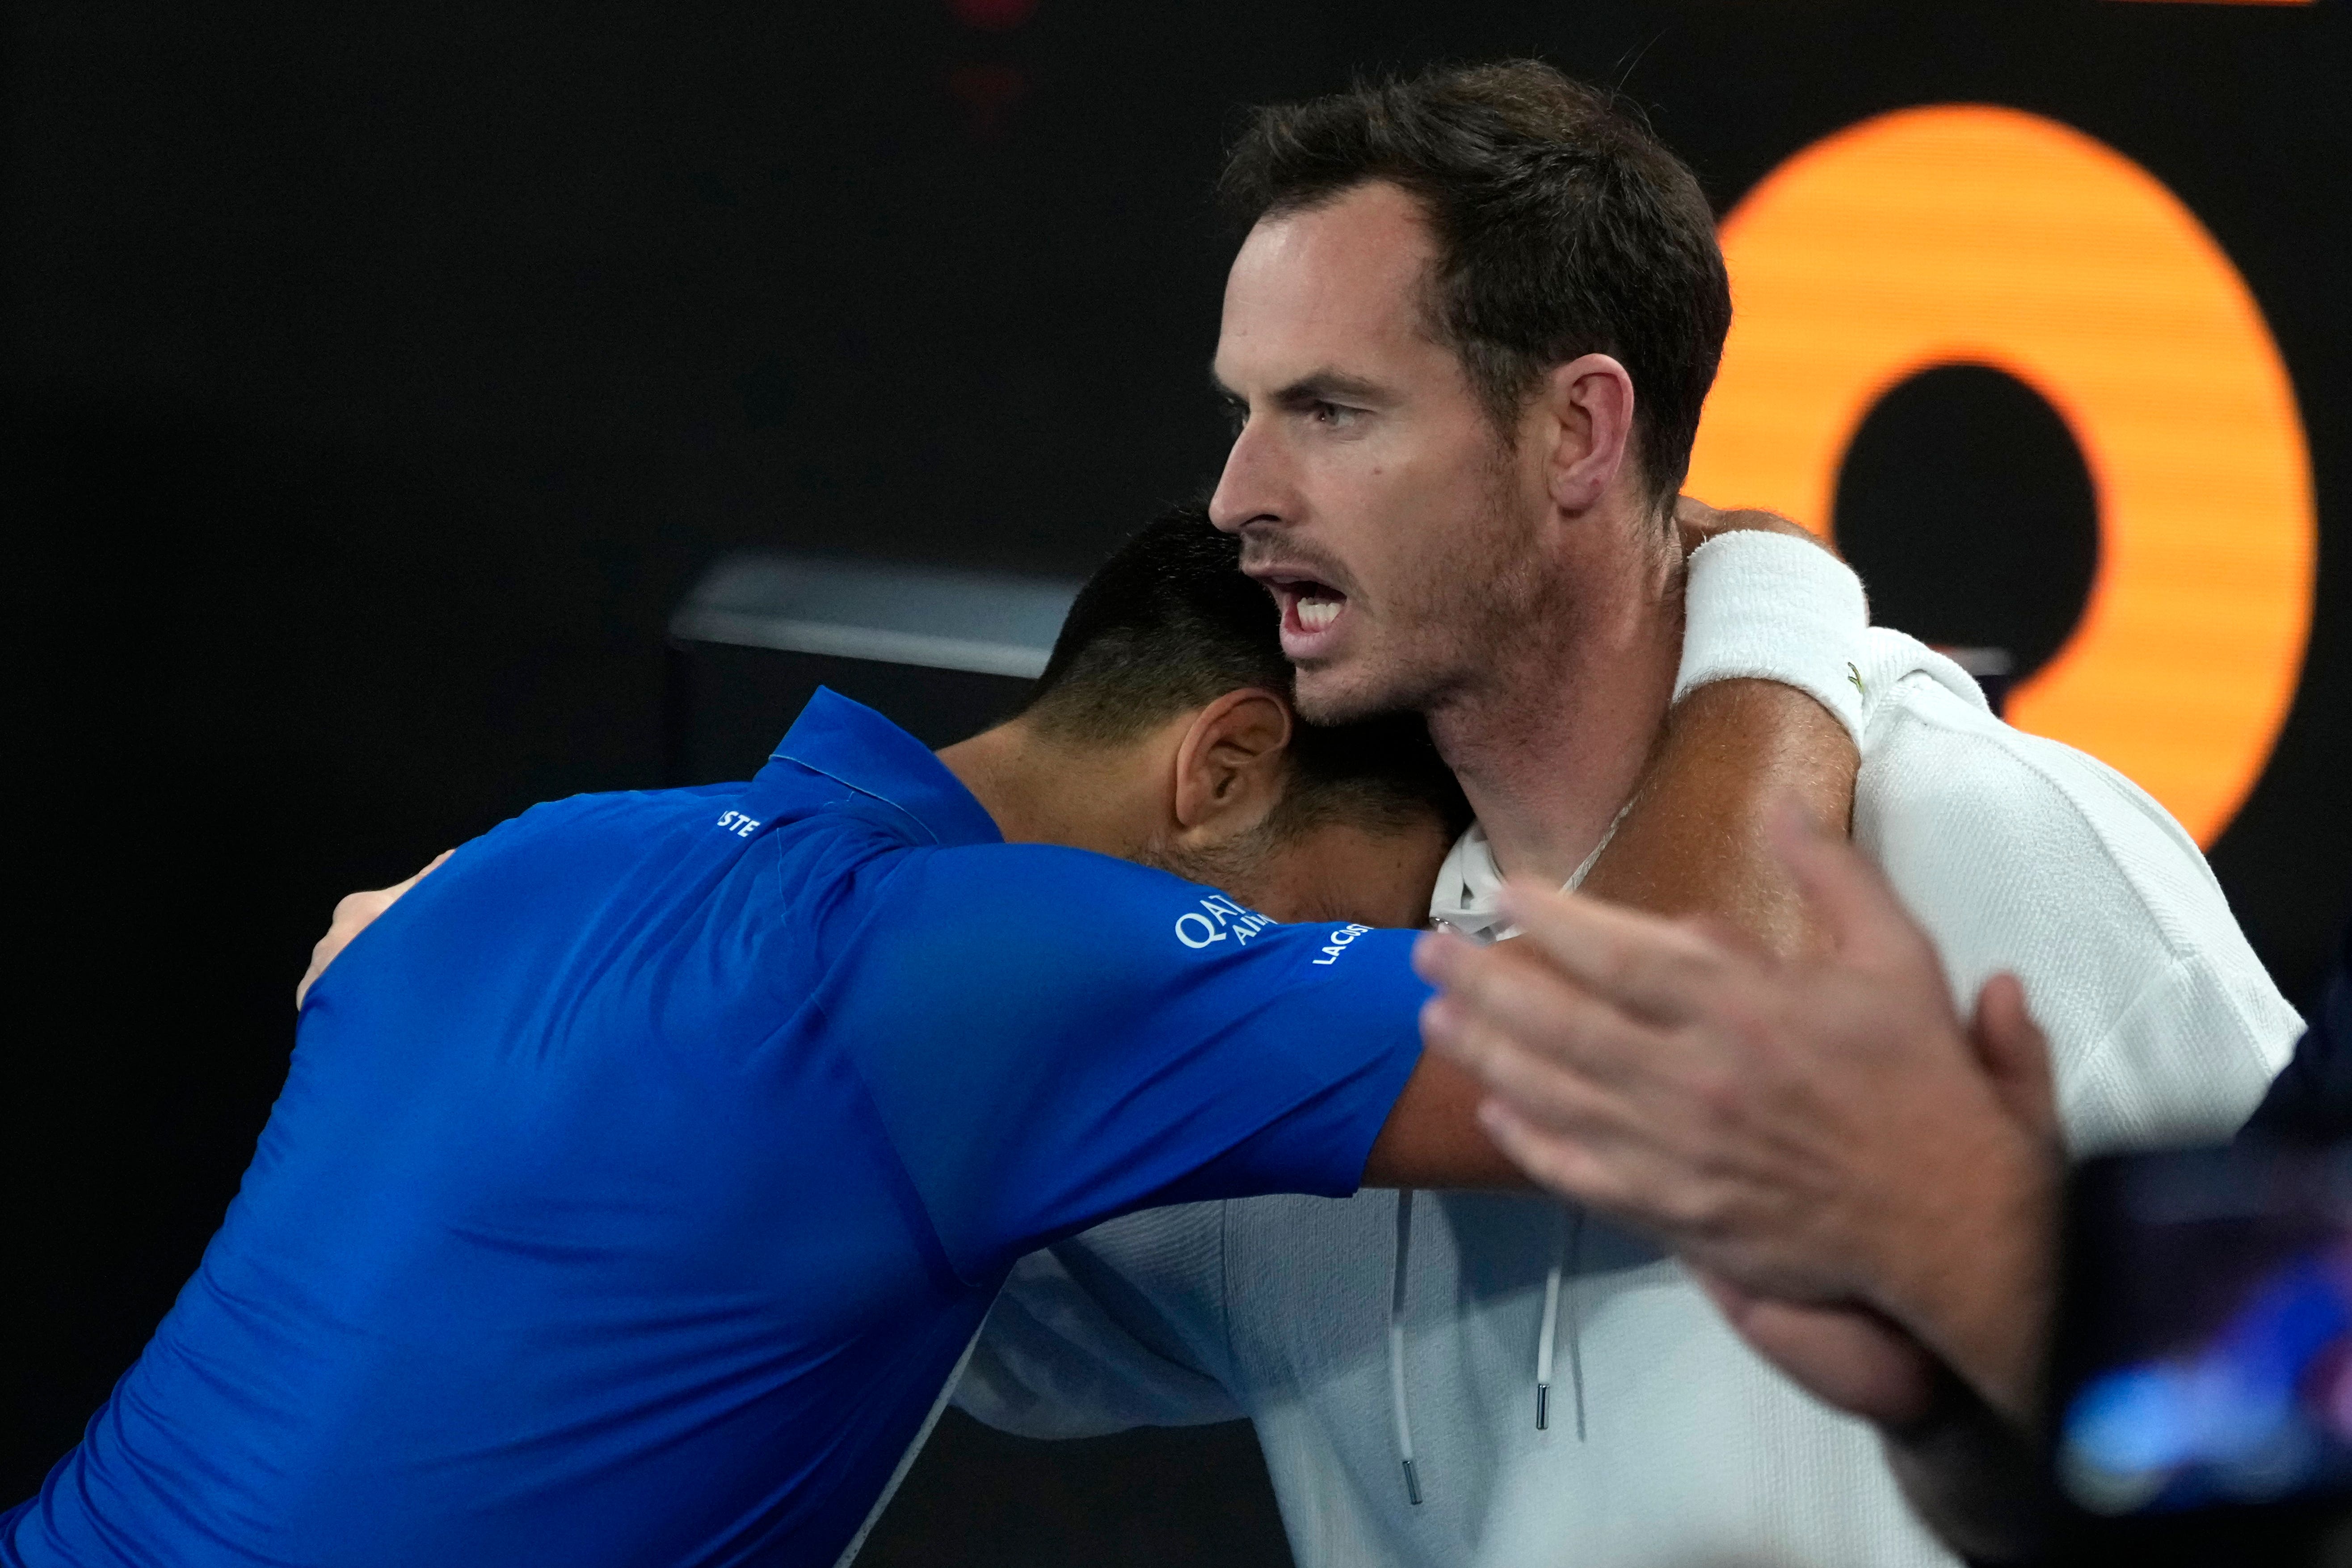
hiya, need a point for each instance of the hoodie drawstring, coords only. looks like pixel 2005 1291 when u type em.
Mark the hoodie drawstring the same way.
pixel 1566 1261
pixel 1559 1298
pixel 1396 1344
pixel 1550 1331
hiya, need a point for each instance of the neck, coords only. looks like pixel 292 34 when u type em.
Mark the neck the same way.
pixel 1549 742
pixel 1040 793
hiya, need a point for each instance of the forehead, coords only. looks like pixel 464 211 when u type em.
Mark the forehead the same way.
pixel 1340 282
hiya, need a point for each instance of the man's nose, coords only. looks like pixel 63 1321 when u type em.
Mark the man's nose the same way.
pixel 1255 486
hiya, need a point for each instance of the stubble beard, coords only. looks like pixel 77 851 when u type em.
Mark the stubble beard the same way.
pixel 1488 596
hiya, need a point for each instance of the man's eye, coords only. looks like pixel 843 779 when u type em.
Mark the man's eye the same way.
pixel 1332 413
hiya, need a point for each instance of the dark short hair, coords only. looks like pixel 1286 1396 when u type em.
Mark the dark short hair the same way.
pixel 1563 228
pixel 1168 623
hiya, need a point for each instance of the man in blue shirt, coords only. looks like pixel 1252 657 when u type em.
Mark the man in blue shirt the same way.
pixel 640 1177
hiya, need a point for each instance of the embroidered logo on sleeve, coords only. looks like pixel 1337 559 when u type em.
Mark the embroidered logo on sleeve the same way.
pixel 1340 940
pixel 1225 921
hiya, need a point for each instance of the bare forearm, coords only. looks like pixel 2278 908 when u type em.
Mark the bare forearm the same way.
pixel 1433 1139
pixel 1695 841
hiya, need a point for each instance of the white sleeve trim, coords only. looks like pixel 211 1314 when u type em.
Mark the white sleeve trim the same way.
pixel 1769 606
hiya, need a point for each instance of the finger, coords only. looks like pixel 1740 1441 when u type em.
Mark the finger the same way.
pixel 354 912
pixel 1848 1357
pixel 395 891
pixel 345 926
pixel 1439 957
pixel 1561 1164
pixel 1613 1177
pixel 322 954
pixel 1515 990
pixel 1866 922
pixel 1543 1091
pixel 1694 522
pixel 2015 1054
pixel 1661 969
pixel 1514 1000
pixel 1758 520
pixel 1733 1300
pixel 1715 929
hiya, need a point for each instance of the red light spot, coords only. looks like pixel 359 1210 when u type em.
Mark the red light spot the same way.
pixel 993 15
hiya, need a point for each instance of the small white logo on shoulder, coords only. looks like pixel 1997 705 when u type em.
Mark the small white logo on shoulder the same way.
pixel 1225 919
pixel 741 826
pixel 1340 940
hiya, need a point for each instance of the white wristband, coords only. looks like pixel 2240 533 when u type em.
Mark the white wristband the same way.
pixel 1769 606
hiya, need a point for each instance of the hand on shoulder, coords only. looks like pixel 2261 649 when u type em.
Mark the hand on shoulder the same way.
pixel 353 914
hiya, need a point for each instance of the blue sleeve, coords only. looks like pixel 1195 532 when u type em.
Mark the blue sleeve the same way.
pixel 1052 1037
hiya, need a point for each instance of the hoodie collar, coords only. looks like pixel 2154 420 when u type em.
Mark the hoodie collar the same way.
pixel 1470 885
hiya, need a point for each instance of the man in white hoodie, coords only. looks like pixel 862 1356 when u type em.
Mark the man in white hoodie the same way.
pixel 1467 339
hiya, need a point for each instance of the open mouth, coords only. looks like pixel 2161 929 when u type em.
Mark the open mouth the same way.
pixel 1309 608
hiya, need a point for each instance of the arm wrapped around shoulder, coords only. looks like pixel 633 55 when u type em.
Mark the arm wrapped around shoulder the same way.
pixel 1768 607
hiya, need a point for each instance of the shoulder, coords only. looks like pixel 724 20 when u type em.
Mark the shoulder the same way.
pixel 1976 809
pixel 2020 853
pixel 1057 923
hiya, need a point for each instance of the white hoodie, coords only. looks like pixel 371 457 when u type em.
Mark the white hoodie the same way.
pixel 1360 1332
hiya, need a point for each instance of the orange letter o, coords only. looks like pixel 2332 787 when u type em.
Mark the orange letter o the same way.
pixel 1974 234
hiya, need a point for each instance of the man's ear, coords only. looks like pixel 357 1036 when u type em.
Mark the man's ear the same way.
pixel 1590 402
pixel 1228 765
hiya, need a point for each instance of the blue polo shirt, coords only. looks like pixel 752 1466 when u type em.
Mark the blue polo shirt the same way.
pixel 641 1176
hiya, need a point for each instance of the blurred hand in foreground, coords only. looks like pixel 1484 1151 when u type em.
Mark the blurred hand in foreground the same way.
pixel 1853 1172
pixel 353 914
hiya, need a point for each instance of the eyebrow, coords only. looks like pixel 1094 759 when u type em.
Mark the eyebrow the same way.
pixel 1315 386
